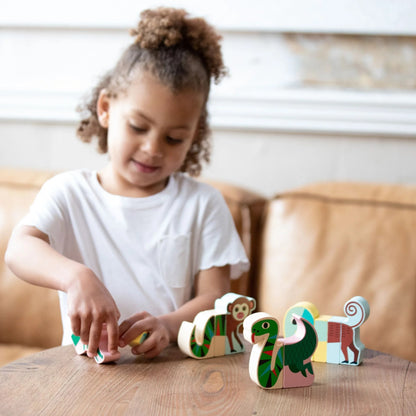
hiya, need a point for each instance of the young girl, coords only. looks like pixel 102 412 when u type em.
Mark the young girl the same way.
pixel 138 242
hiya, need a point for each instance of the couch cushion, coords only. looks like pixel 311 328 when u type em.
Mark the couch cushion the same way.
pixel 326 243
pixel 29 315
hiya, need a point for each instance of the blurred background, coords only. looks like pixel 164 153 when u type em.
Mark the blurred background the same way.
pixel 318 90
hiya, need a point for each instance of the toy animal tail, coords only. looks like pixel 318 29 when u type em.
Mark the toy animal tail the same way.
pixel 200 345
pixel 203 349
pixel 357 310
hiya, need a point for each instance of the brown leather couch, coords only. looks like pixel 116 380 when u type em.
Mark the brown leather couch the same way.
pixel 324 243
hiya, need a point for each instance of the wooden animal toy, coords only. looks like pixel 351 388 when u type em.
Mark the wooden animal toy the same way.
pixel 275 362
pixel 338 337
pixel 215 332
pixel 103 355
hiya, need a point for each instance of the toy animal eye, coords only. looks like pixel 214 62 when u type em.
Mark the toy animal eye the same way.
pixel 244 308
pixel 265 325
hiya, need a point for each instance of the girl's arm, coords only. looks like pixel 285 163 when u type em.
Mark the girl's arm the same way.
pixel 210 285
pixel 90 305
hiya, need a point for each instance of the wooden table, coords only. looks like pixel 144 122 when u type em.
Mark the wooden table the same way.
pixel 58 382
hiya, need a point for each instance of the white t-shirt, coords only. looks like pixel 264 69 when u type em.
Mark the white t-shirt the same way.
pixel 146 251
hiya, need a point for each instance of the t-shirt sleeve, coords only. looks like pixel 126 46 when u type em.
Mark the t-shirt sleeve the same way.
pixel 47 213
pixel 220 243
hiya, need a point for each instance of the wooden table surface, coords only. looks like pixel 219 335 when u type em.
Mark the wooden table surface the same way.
pixel 58 382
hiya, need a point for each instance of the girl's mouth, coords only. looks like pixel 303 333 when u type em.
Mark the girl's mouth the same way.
pixel 142 167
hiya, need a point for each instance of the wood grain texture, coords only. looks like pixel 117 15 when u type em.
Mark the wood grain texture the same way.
pixel 59 382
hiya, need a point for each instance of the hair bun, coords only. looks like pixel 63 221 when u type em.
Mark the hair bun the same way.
pixel 160 27
pixel 169 27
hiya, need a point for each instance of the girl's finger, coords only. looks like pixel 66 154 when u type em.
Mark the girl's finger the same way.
pixel 112 334
pixel 84 332
pixel 75 325
pixel 94 338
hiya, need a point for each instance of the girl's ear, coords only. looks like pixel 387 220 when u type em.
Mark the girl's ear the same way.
pixel 103 107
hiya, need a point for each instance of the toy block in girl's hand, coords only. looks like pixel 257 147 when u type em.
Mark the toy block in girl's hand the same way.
pixel 338 337
pixel 139 340
pixel 80 348
pixel 103 355
pixel 275 362
pixel 214 332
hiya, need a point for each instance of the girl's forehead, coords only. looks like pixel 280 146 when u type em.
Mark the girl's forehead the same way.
pixel 147 78
pixel 146 86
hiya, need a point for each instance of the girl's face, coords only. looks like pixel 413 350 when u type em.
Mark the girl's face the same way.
pixel 150 130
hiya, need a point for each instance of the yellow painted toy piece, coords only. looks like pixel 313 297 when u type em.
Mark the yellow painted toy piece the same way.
pixel 310 306
pixel 139 340
pixel 320 352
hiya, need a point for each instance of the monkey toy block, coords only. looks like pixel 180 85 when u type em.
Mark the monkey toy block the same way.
pixel 215 332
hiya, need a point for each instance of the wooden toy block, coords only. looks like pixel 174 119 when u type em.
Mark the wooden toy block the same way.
pixel 139 340
pixel 321 326
pixel 338 337
pixel 298 379
pixel 275 362
pixel 320 353
pixel 298 350
pixel 215 332
pixel 266 358
pixel 198 339
pixel 80 348
pixel 103 355
pixel 306 310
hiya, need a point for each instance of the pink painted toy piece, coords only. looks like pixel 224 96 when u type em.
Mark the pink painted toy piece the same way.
pixel 103 355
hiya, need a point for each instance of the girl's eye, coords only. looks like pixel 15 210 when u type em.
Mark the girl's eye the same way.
pixel 173 141
pixel 137 129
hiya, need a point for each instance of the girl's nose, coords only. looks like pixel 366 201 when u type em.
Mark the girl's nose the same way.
pixel 152 145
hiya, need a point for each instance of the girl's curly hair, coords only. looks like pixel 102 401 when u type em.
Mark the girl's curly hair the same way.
pixel 182 52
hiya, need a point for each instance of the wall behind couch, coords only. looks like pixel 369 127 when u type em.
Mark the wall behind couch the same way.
pixel 313 94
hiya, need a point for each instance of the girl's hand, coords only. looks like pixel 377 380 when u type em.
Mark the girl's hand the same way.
pixel 157 340
pixel 90 306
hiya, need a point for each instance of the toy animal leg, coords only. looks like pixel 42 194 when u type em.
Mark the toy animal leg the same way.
pixel 347 336
pixel 344 349
pixel 355 351
pixel 308 366
pixel 230 342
